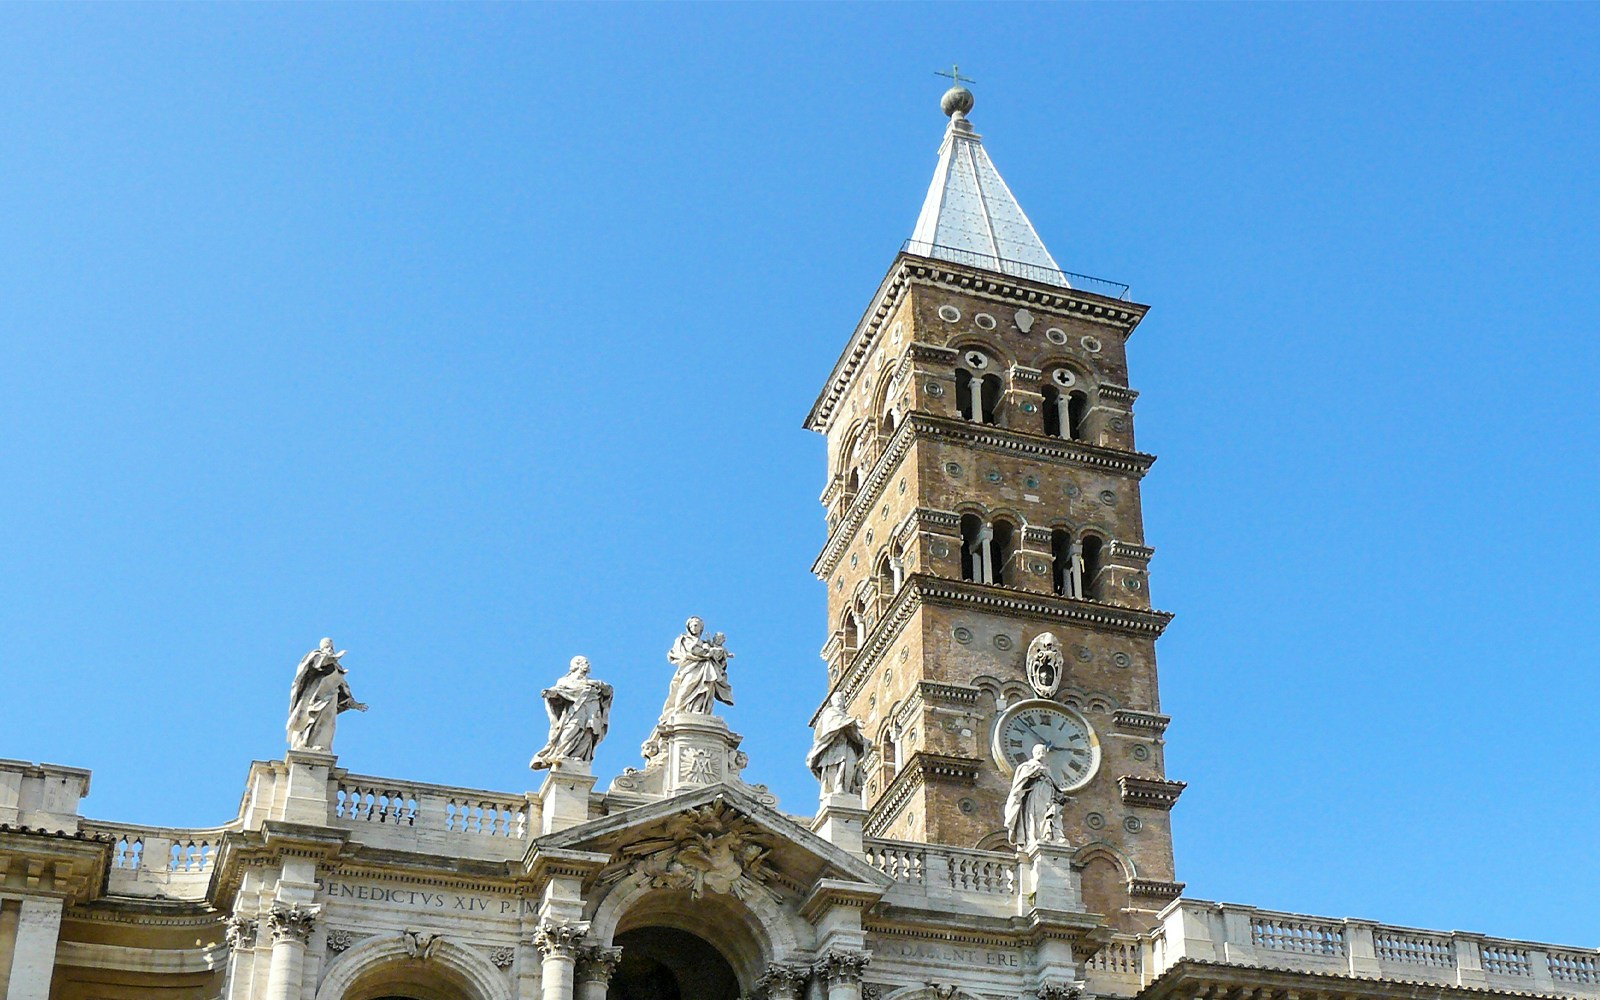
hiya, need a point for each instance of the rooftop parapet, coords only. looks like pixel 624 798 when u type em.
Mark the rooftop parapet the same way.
pixel 1226 933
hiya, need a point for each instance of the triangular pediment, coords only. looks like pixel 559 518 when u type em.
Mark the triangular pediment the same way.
pixel 718 838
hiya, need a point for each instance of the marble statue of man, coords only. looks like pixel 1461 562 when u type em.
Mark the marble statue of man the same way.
pixel 319 693
pixel 837 749
pixel 701 679
pixel 580 712
pixel 1033 807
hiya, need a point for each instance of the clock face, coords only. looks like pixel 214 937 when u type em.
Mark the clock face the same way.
pixel 1071 748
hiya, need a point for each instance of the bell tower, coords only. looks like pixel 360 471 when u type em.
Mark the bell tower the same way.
pixel 983 517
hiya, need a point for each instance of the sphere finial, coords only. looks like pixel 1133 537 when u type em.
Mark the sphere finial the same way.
pixel 956 102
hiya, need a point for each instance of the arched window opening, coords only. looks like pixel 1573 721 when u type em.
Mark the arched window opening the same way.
pixel 976 538
pixel 1052 412
pixel 862 617
pixel 1067 555
pixel 1091 547
pixel 977 388
pixel 897 567
pixel 1077 413
pixel 851 627
pixel 1001 550
pixel 852 483
pixel 889 421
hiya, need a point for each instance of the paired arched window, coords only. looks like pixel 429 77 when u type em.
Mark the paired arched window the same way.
pixel 1066 405
pixel 986 549
pixel 978 387
pixel 1076 562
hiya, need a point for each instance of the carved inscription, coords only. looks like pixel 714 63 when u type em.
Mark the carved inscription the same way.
pixel 891 950
pixel 428 899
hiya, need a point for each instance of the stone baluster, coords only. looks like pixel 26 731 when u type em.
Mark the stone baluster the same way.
pixel 291 926
pixel 975 394
pixel 840 970
pixel 559 945
pixel 596 965
pixel 784 980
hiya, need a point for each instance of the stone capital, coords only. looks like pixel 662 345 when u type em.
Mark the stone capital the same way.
pixel 240 931
pixel 1059 990
pixel 784 980
pixel 555 939
pixel 292 922
pixel 596 963
pixel 842 965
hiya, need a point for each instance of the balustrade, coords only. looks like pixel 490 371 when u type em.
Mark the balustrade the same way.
pixel 983 872
pixel 1414 949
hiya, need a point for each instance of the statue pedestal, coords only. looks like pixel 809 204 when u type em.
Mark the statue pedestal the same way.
pixel 1048 878
pixel 564 796
pixel 305 799
pixel 839 821
pixel 688 751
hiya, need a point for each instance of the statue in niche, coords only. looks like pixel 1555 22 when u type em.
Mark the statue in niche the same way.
pixel 1046 663
pixel 580 712
pixel 1033 809
pixel 702 676
pixel 837 749
pixel 319 693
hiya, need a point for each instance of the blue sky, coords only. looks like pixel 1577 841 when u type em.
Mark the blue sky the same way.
pixel 477 337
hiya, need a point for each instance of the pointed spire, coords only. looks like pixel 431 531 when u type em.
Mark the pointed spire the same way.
pixel 970 216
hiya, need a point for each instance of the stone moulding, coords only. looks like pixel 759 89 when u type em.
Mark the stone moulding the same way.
pixel 986 437
pixel 1150 723
pixel 923 768
pixel 1152 793
pixel 1150 888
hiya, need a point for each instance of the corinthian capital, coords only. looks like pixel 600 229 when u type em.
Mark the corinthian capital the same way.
pixel 596 964
pixel 1059 990
pixel 240 932
pixel 292 922
pixel 784 980
pixel 842 965
pixel 555 938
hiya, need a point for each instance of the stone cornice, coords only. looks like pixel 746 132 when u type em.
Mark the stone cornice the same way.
pixel 71 867
pixel 920 588
pixel 1110 392
pixel 908 269
pixel 1129 552
pixel 989 437
pixel 1152 793
pixel 982 437
pixel 1043 607
pixel 1150 888
pixel 921 769
pixel 1153 723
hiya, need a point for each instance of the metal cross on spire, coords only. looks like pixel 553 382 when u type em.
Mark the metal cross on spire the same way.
pixel 955 75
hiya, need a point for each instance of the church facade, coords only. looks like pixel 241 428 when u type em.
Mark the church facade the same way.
pixel 993 811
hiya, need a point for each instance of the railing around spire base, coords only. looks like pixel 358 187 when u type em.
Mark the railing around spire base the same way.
pixel 1019 269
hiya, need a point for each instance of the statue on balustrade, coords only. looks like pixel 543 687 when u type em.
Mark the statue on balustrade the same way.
pixel 1033 809
pixel 319 693
pixel 580 713
pixel 702 676
pixel 837 749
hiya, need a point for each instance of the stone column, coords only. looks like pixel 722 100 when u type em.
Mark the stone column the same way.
pixel 559 945
pixel 595 968
pixel 240 933
pixel 840 969
pixel 784 980
pixel 33 958
pixel 291 926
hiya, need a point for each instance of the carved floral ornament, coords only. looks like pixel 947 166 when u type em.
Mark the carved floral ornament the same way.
pixel 292 922
pixel 708 849
pixel 240 931
pixel 841 965
pixel 560 939
pixel 597 964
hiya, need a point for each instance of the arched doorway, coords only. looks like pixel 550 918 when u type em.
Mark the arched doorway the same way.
pixel 664 963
